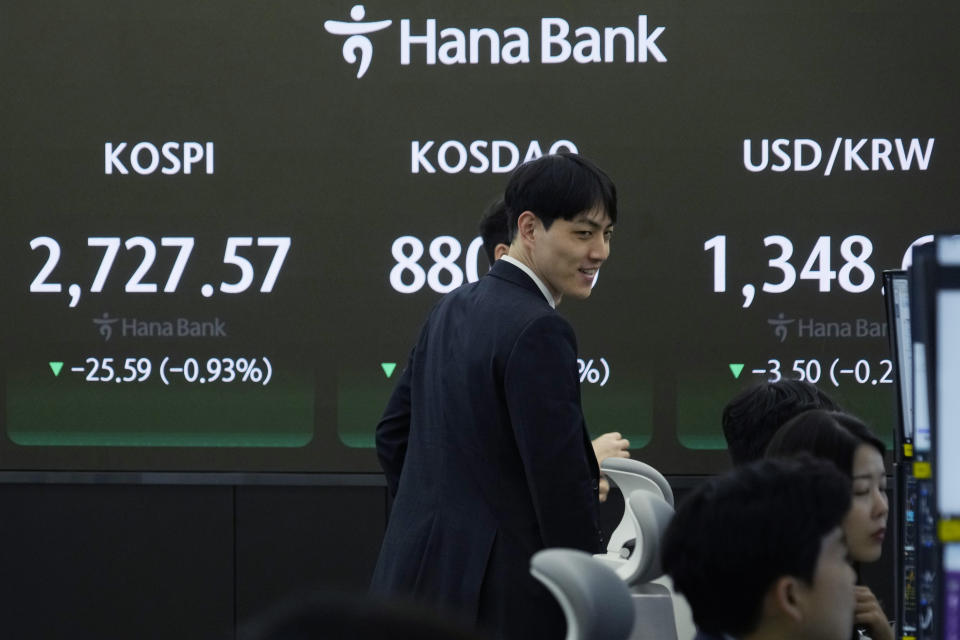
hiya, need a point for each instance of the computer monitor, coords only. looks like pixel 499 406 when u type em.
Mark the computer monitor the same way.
pixel 897 294
pixel 921 320
pixel 919 618
pixel 897 290
pixel 947 362
pixel 946 420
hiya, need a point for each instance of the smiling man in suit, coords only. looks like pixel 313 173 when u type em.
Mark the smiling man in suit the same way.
pixel 495 234
pixel 483 441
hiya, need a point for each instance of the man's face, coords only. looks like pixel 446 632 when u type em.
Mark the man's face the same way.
pixel 830 601
pixel 568 255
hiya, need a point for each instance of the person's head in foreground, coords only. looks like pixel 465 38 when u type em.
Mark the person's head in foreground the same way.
pixel 759 552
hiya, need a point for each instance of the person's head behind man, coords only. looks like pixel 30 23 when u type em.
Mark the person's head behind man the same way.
pixel 759 552
pixel 493 231
pixel 752 418
pixel 561 210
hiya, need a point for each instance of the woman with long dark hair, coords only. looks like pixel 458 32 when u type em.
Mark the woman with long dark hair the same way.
pixel 856 451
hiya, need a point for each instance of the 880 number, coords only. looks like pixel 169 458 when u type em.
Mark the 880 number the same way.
pixel 443 275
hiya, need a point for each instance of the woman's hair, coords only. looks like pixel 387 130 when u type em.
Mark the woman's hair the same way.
pixel 831 435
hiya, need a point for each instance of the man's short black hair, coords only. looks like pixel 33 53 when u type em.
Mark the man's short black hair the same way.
pixel 830 435
pixel 560 185
pixel 753 416
pixel 493 229
pixel 737 534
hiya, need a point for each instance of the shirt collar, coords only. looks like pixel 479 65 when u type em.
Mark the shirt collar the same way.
pixel 537 281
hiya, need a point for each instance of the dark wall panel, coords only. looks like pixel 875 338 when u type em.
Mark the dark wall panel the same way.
pixel 142 561
pixel 296 539
pixel 116 562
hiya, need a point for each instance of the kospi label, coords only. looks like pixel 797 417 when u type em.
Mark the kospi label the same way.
pixel 144 158
pixel 478 156
pixel 554 40
pixel 846 154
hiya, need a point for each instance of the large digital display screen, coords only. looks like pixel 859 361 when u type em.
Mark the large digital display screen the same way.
pixel 223 222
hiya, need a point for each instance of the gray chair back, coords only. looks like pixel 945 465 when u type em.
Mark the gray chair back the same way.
pixel 629 476
pixel 653 603
pixel 652 514
pixel 595 601
pixel 616 468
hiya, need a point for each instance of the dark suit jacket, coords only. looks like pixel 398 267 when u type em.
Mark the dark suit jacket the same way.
pixel 485 448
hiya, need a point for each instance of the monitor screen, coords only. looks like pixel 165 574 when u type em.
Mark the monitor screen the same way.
pixel 224 222
pixel 948 376
pixel 948 401
pixel 900 290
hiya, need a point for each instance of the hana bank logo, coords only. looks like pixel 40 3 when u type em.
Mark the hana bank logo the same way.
pixel 559 42
pixel 104 325
pixel 357 42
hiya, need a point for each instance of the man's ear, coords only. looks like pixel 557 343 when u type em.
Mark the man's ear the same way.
pixel 500 250
pixel 786 596
pixel 526 225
